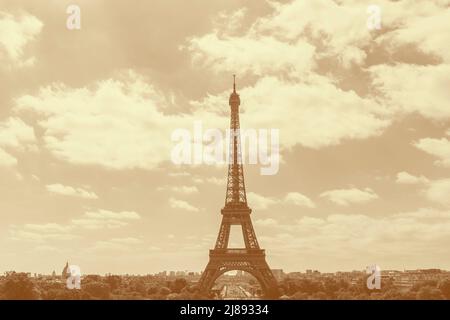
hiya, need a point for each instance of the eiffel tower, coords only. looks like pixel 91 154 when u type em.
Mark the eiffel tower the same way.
pixel 252 258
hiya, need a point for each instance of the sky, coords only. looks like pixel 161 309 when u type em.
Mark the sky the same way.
pixel 87 117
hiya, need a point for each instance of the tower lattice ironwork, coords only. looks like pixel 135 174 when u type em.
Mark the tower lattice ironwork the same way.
pixel 252 258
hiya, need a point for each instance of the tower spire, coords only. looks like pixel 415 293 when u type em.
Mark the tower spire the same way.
pixel 235 195
pixel 234 83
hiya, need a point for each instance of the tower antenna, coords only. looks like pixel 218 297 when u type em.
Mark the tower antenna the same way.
pixel 234 83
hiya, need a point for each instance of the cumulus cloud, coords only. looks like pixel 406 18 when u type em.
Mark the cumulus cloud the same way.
pixel 252 54
pixel 281 48
pixel 115 244
pixel 398 84
pixel 212 180
pixel 116 123
pixel 71 191
pixel 439 148
pixel 260 202
pixel 428 30
pixel 91 220
pixel 266 222
pixel 15 33
pixel 345 197
pixel 127 241
pixel 15 136
pixel 105 219
pixel 180 189
pixel 438 191
pixel 409 236
pixel 421 26
pixel 324 22
pixel 119 124
pixel 181 204
pixel 307 33
pixel 283 40
pixel 298 199
pixel 320 114
pixel 7 160
pixel 179 174
pixel 42 232
pixel 407 178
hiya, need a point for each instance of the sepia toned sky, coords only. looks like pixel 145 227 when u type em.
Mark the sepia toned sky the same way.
pixel 86 118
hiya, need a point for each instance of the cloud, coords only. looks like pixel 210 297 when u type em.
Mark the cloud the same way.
pixel 91 220
pixel 251 54
pixel 181 204
pixel 15 136
pixel 48 228
pixel 211 180
pixel 407 178
pixel 179 174
pixel 439 148
pixel 423 24
pixel 180 189
pixel 230 21
pixel 322 22
pixel 284 49
pixel 15 33
pixel 299 199
pixel 266 222
pixel 46 248
pixel 116 244
pixel 118 124
pixel 42 232
pixel 305 32
pixel 293 51
pixel 398 84
pixel 92 126
pixel 314 124
pixel 414 237
pixel 439 191
pixel 129 240
pixel 303 80
pixel 260 202
pixel 283 40
pixel 6 159
pixel 71 191
pixel 101 219
pixel 344 197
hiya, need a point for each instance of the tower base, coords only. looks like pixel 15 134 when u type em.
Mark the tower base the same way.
pixel 252 261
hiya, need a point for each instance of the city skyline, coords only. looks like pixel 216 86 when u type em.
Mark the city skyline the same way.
pixel 86 118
